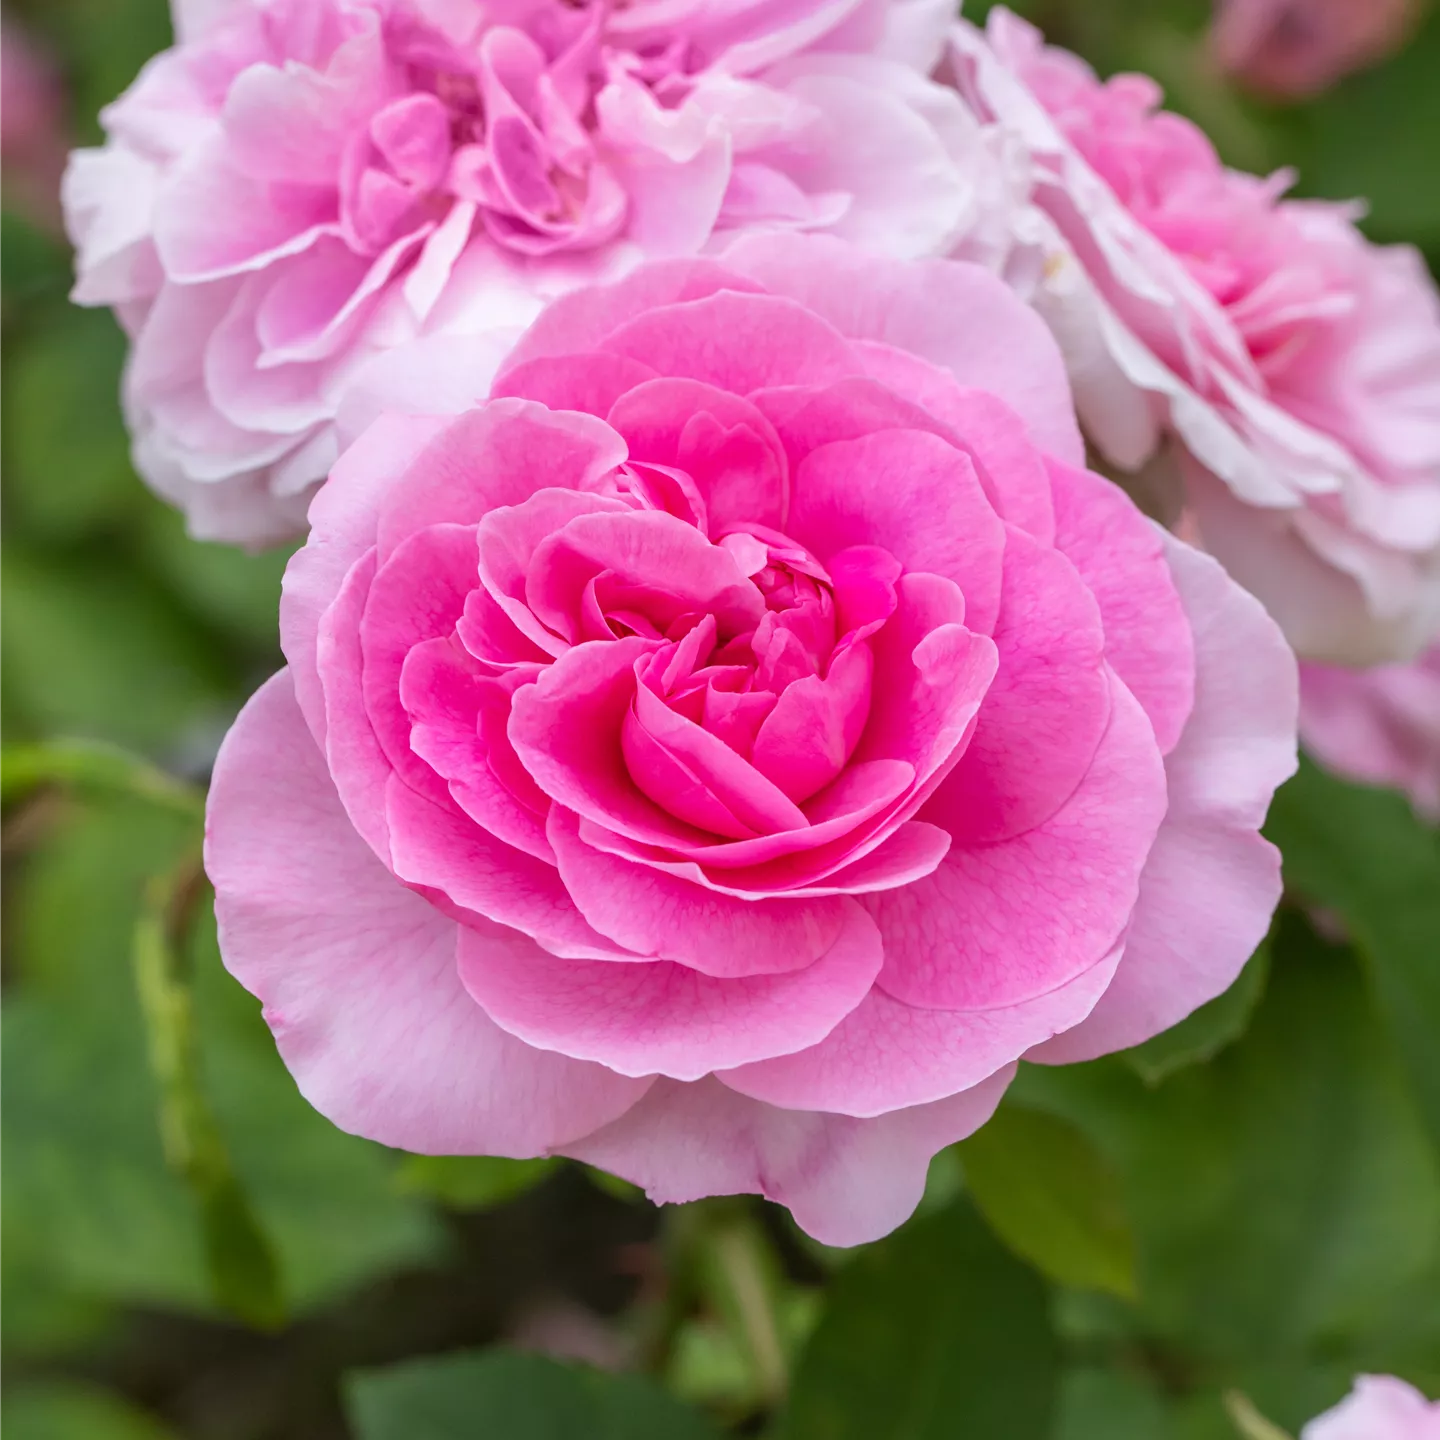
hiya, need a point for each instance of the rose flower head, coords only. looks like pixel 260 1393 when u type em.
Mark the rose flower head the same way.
pixel 310 211
pixel 724 752
pixel 1296 364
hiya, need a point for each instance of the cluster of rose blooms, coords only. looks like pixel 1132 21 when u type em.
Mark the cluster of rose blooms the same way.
pixel 812 506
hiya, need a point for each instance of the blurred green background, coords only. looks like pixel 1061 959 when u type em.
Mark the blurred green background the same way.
pixel 1250 1204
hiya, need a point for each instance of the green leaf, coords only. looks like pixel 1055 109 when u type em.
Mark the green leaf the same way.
pixel 67 472
pixel 1363 854
pixel 471 1182
pixel 1284 1198
pixel 513 1397
pixel 935 1333
pixel 1052 1197
pixel 93 765
pixel 86 1179
pixel 69 1411
pixel 1098 1404
pixel 1249 1423
pixel 90 649
pixel 1202 1035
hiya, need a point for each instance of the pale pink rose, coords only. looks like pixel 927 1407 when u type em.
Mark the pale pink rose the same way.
pixel 1298 365
pixel 1295 48
pixel 32 127
pixel 723 753
pixel 1380 1407
pixel 1379 726
pixel 314 210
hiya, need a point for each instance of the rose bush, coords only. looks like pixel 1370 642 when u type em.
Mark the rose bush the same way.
pixel 310 210
pixel 1298 365
pixel 1380 1407
pixel 1379 726
pixel 720 755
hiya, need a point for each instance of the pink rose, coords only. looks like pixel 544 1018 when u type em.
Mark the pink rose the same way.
pixel 1380 726
pixel 723 753
pixel 1380 1407
pixel 1295 48
pixel 1298 365
pixel 314 210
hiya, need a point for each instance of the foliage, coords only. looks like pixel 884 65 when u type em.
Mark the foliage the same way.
pixel 1211 1232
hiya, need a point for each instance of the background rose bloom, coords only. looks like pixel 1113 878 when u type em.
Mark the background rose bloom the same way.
pixel 1380 726
pixel 32 127
pixel 1380 1407
pixel 723 753
pixel 1295 48
pixel 1298 365
pixel 313 209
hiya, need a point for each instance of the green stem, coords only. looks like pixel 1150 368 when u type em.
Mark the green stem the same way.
pixel 243 1271
pixel 1250 1423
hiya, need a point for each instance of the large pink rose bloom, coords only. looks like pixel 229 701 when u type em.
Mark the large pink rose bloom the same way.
pixel 1380 1407
pixel 312 210
pixel 1378 726
pixel 723 753
pixel 1298 365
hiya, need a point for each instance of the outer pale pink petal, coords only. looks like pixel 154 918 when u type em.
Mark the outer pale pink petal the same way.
pixel 657 1017
pixel 955 315
pixel 999 924
pixel 846 1181
pixel 1380 1407
pixel 343 519
pixel 1212 883
pixel 358 975
pixel 659 914
pixel 1046 710
pixel 886 1055
pixel 737 342
pixel 498 454
pixel 591 382
pixel 1121 557
pixel 580 321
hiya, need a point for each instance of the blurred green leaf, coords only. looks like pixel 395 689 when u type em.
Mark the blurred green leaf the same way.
pixel 235 592
pixel 1098 1404
pixel 1363 854
pixel 91 650
pixel 1284 1196
pixel 56 1410
pixel 936 1331
pixel 517 1397
pixel 86 1178
pixel 1052 1198
pixel 471 1182
pixel 93 765
pixel 1202 1035
pixel 33 265
pixel 67 470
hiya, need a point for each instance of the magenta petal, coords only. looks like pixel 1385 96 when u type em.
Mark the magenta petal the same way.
pixel 916 496
pixel 885 1054
pixel 1212 881
pixel 358 975
pixel 1046 708
pixel 737 342
pixel 498 454
pixel 580 321
pixel 588 382
pixel 1121 557
pixel 417 594
pixel 343 525
pixel 660 420
pixel 999 924
pixel 659 1018
pixel 846 1181
pixel 656 914
pixel 437 847
pixel 457 723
